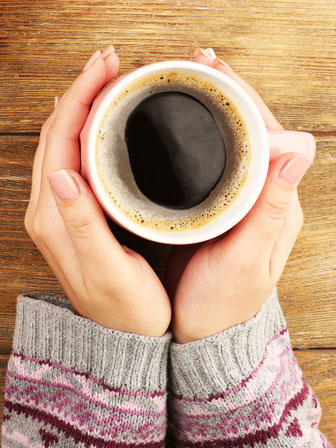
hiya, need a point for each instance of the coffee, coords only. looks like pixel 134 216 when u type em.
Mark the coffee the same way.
pixel 176 151
pixel 113 161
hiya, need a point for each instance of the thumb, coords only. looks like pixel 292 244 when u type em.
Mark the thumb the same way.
pixel 263 223
pixel 83 219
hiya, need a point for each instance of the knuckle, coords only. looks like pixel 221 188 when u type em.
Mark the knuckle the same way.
pixel 275 211
pixel 28 222
pixel 38 229
pixel 79 227
pixel 40 226
pixel 300 218
pixel 45 127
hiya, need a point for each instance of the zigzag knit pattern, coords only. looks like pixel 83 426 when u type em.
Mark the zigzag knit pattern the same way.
pixel 251 393
pixel 64 406
pixel 110 394
pixel 71 382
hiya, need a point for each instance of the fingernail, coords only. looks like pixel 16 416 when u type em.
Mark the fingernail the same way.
pixel 219 61
pixel 56 100
pixel 63 186
pixel 208 53
pixel 92 59
pixel 294 169
pixel 110 49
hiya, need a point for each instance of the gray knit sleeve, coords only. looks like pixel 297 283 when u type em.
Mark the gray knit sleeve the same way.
pixel 73 382
pixel 242 388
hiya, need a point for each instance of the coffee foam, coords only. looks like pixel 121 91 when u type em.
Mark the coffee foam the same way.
pixel 114 168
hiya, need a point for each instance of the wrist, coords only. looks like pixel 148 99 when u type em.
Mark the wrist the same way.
pixel 222 357
pixel 215 315
pixel 180 338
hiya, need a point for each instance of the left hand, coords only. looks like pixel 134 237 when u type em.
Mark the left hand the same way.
pixel 105 281
pixel 225 281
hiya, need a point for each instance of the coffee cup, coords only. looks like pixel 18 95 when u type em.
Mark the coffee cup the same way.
pixel 105 162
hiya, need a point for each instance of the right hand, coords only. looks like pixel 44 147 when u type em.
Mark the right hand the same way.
pixel 225 281
pixel 105 282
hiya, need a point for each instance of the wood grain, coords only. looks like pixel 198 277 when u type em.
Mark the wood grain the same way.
pixel 306 290
pixel 285 49
pixel 319 369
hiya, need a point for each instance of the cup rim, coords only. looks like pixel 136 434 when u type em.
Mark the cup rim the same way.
pixel 201 233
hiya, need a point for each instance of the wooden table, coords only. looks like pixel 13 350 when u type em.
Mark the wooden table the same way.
pixel 284 49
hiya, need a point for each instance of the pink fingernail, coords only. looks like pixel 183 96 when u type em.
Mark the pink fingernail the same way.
pixel 63 186
pixel 208 53
pixel 219 61
pixel 110 49
pixel 294 169
pixel 56 100
pixel 92 59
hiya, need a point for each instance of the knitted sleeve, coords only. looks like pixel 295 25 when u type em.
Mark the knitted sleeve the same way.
pixel 243 388
pixel 71 382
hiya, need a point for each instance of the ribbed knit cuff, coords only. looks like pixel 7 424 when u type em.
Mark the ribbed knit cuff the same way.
pixel 213 364
pixel 48 328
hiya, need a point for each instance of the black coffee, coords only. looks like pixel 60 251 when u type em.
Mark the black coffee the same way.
pixel 114 160
pixel 176 150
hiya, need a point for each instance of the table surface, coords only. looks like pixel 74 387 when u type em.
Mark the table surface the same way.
pixel 284 49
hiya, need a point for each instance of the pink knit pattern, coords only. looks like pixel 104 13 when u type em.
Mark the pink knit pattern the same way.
pixel 79 407
pixel 273 406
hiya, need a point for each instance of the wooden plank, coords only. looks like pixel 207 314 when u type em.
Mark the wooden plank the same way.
pixel 306 289
pixel 285 49
pixel 319 369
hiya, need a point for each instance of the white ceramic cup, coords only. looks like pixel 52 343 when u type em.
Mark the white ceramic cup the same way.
pixel 260 141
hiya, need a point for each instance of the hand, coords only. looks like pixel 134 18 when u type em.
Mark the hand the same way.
pixel 225 281
pixel 105 282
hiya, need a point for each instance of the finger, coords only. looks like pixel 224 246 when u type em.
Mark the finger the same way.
pixel 36 174
pixel 259 230
pixel 111 62
pixel 73 108
pixel 85 223
pixel 62 145
pixel 178 260
pixel 270 121
pixel 205 57
pixel 286 239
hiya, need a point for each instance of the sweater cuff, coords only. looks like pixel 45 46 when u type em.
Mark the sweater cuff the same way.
pixel 201 368
pixel 48 328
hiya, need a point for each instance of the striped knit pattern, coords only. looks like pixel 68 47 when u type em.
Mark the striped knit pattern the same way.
pixel 243 388
pixel 71 382
pixel 108 391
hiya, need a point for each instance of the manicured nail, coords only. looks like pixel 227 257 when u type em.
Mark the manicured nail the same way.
pixel 294 169
pixel 63 186
pixel 219 61
pixel 208 53
pixel 92 59
pixel 110 49
pixel 56 100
